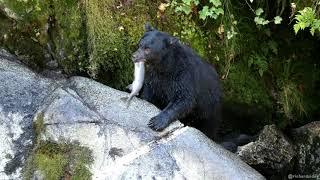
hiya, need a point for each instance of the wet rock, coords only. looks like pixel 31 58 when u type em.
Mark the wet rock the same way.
pixel 307 141
pixel 272 153
pixel 21 93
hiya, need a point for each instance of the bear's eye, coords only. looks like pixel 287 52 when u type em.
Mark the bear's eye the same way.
pixel 147 50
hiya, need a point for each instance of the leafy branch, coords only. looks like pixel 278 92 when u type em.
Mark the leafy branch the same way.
pixel 307 18
pixel 261 21
pixel 212 10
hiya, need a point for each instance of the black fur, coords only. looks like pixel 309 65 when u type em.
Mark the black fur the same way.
pixel 178 82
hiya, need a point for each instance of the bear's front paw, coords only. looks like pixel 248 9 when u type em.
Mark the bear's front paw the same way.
pixel 158 123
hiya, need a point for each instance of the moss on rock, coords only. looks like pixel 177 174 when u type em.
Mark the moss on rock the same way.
pixel 68 35
pixel 56 160
pixel 63 160
pixel 38 125
pixel 45 30
pixel 113 31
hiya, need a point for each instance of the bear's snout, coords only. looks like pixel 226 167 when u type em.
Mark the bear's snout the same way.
pixel 138 56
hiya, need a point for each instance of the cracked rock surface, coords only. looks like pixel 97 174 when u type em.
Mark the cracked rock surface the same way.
pixel 89 113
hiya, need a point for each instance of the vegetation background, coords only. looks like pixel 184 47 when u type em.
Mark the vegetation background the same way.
pixel 266 52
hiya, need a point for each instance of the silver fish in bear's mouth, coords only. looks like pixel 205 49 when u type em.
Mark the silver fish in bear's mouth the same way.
pixel 135 87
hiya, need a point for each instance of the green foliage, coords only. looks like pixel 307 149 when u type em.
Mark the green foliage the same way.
pixel 224 39
pixel 38 125
pixel 48 23
pixel 59 161
pixel 307 19
pixel 277 20
pixel 259 20
pixel 27 10
pixel 19 35
pixel 112 37
pixel 88 37
pixel 64 160
pixel 68 37
pixel 185 6
pixel 259 11
pixel 192 35
pixel 291 99
pixel 211 10
pixel 53 166
pixel 244 87
pixel 185 28
pixel 38 128
pixel 259 62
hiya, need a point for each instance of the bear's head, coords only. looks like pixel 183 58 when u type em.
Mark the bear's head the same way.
pixel 153 46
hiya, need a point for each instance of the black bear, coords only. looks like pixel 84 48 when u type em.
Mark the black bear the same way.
pixel 179 83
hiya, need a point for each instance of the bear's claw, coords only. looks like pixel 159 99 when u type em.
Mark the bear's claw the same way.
pixel 158 123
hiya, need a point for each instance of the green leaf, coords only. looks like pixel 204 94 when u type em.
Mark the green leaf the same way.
pixel 265 22
pixel 204 12
pixel 273 46
pixel 302 25
pixel 316 24
pixel 214 16
pixel 231 34
pixel 299 18
pixel 258 20
pixel 259 11
pixel 307 18
pixel 187 2
pixel 261 72
pixel 186 9
pixel 312 30
pixel 216 3
pixel 219 11
pixel 296 28
pixel 277 20
pixel 196 2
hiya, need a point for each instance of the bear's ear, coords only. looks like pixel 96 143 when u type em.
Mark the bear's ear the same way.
pixel 148 27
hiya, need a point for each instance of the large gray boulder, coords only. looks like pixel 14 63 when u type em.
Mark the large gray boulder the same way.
pixel 272 153
pixel 21 93
pixel 307 141
pixel 77 127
